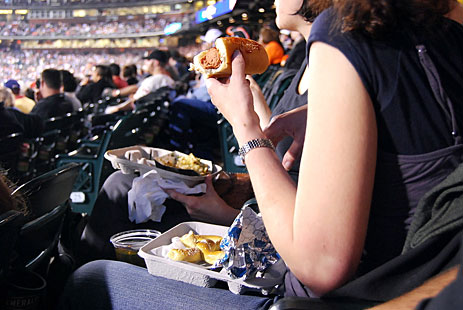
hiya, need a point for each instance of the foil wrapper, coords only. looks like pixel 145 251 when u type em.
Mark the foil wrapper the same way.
pixel 247 247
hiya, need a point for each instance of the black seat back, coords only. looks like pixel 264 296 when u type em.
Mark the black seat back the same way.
pixel 10 222
pixel 47 197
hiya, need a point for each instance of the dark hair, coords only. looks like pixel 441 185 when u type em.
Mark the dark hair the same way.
pixel 7 200
pixel 52 78
pixel 375 17
pixel 29 93
pixel 115 69
pixel 129 70
pixel 310 10
pixel 105 74
pixel 69 81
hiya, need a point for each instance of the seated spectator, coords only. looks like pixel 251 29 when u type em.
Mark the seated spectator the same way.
pixel 365 161
pixel 92 88
pixel 69 89
pixel 21 102
pixel 129 73
pixel 178 63
pixel 155 64
pixel 110 213
pixel 15 121
pixel 270 39
pixel 116 75
pixel 52 103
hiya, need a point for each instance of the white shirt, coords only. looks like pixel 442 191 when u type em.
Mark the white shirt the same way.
pixel 152 83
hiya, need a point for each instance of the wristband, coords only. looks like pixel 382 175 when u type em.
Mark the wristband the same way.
pixel 253 144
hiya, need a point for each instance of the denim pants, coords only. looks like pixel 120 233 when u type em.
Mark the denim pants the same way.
pixel 116 285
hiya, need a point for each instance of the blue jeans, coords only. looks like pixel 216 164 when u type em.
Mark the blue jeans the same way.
pixel 116 285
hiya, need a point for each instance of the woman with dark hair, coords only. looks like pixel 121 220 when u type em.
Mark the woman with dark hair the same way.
pixel 129 73
pixel 384 79
pixel 92 89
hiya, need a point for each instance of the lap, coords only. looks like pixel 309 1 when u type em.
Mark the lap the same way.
pixel 116 285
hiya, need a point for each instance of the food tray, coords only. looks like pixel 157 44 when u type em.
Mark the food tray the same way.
pixel 118 160
pixel 203 275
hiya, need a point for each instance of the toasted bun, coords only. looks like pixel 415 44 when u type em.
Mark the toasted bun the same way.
pixel 254 54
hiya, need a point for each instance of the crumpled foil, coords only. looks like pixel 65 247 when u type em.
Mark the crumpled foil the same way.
pixel 247 247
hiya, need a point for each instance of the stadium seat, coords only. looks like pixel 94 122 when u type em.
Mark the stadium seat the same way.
pixel 280 84
pixel 300 303
pixel 47 197
pixel 128 131
pixel 229 148
pixel 17 156
pixel 10 223
pixel 91 155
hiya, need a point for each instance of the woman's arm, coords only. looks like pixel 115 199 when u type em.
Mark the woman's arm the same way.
pixel 320 230
pixel 260 104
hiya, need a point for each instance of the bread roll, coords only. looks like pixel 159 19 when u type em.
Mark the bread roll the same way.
pixel 187 255
pixel 216 62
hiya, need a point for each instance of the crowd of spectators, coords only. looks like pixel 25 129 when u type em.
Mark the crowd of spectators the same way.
pixel 25 66
pixel 58 28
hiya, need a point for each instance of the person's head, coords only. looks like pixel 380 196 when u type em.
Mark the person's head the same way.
pixel 30 93
pixel 378 17
pixel 6 96
pixel 175 56
pixel 115 69
pixel 50 82
pixel 14 86
pixel 69 81
pixel 129 71
pixel 101 72
pixel 155 60
pixel 210 36
pixel 268 35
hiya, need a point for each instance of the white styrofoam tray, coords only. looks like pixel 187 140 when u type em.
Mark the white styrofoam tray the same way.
pixel 119 161
pixel 202 275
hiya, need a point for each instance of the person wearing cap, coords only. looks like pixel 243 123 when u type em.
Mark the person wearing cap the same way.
pixel 155 65
pixel 22 103
pixel 211 35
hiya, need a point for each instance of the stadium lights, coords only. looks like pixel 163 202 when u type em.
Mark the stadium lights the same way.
pixel 6 12
pixel 21 12
pixel 261 10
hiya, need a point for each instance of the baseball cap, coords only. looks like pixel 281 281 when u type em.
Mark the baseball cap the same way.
pixel 238 31
pixel 12 84
pixel 158 55
pixel 211 35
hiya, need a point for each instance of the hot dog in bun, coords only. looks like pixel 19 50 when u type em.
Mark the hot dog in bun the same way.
pixel 216 62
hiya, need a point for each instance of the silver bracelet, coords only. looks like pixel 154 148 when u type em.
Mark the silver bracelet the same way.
pixel 253 144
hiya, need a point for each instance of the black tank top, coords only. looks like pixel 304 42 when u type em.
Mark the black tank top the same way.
pixel 415 84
